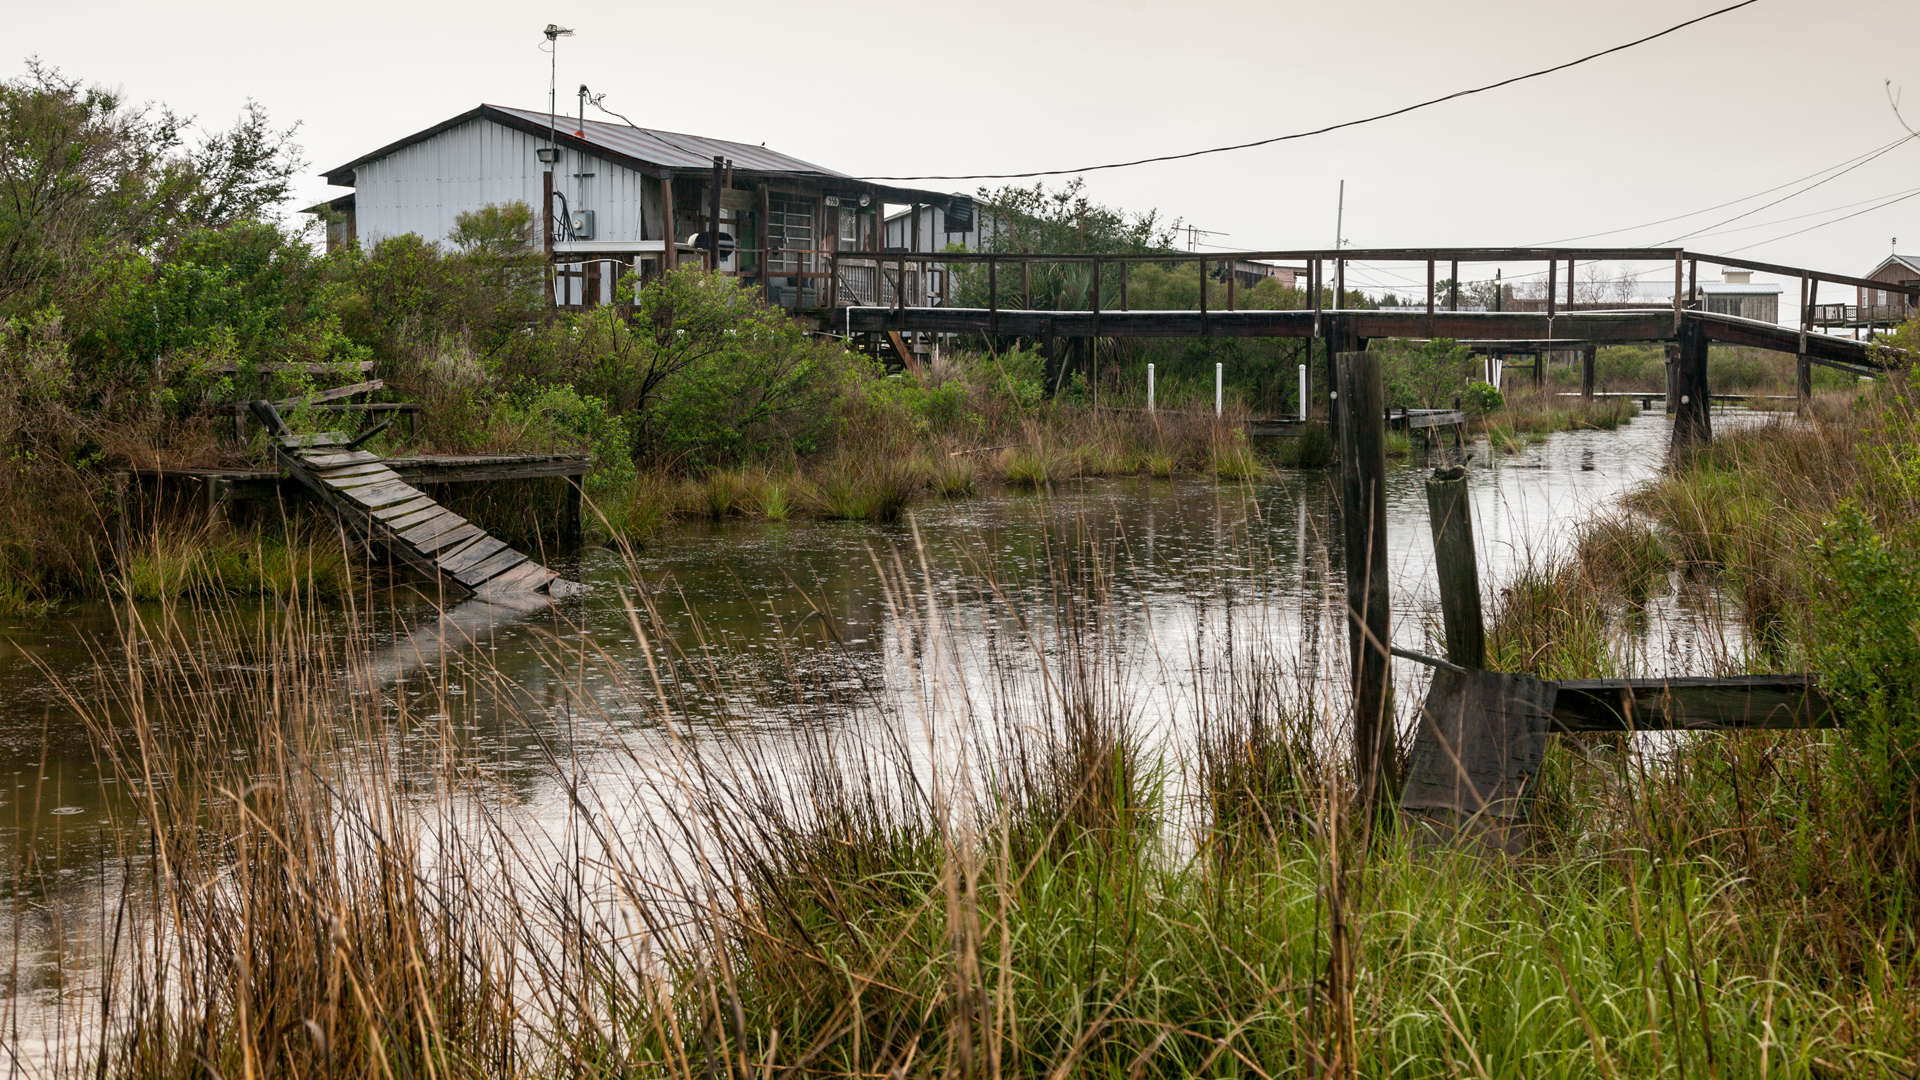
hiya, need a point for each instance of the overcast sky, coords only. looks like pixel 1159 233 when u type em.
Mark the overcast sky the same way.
pixel 1740 103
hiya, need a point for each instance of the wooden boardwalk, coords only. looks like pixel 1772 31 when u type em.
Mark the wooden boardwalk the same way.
pixel 364 492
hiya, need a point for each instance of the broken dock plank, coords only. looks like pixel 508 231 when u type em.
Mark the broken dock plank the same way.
pixel 363 492
pixel 1740 702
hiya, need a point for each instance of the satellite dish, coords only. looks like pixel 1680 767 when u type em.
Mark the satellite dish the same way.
pixel 703 241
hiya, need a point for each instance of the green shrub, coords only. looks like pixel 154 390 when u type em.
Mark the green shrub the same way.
pixel 1482 398
pixel 1866 646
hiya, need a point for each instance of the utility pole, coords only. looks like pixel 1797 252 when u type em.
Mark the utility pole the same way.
pixel 1340 222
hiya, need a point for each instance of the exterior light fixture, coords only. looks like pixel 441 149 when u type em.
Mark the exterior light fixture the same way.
pixel 548 154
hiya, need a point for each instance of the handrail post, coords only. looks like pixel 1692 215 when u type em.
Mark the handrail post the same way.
pixel 1096 296
pixel 1678 255
pixel 1203 296
pixel 993 296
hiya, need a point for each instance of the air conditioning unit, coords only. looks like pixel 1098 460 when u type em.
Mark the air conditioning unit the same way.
pixel 581 225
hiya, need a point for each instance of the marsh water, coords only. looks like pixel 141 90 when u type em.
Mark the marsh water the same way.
pixel 1195 570
pixel 779 624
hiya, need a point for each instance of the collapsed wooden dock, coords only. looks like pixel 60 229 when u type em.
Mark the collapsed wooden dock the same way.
pixel 367 495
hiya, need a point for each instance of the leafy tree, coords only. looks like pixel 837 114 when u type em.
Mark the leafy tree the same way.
pixel 81 174
pixel 85 176
pixel 1427 374
pixel 242 173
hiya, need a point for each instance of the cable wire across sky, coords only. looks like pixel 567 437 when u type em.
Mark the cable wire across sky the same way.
pixel 1375 118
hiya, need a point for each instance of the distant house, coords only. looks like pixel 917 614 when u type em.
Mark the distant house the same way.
pixel 1874 310
pixel 1739 296
pixel 1251 272
pixel 1895 270
pixel 612 197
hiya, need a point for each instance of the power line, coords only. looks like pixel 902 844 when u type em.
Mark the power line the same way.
pixel 1784 198
pixel 1730 202
pixel 1810 213
pixel 1831 221
pixel 1402 111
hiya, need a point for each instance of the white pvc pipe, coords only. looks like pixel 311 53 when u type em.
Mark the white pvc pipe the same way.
pixel 1149 387
pixel 1219 382
pixel 1303 393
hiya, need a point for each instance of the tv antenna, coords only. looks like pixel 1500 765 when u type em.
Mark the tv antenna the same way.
pixel 554 33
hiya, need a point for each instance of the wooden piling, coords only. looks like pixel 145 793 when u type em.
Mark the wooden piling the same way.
pixel 1360 405
pixel 1692 418
pixel 1450 512
pixel 1587 353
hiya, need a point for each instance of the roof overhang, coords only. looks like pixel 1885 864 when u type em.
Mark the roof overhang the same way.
pixel 830 183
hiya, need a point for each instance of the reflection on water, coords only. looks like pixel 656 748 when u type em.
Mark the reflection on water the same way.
pixel 1192 564
pixel 1191 578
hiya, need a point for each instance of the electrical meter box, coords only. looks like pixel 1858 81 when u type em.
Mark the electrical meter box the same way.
pixel 581 225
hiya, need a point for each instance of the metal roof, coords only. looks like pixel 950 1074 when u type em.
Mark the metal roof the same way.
pixel 669 149
pixel 1903 260
pixel 645 149
pixel 1730 288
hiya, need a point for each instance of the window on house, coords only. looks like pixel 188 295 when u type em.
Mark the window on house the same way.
pixel 790 228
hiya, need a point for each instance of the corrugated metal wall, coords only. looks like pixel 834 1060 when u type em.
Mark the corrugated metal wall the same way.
pixel 422 188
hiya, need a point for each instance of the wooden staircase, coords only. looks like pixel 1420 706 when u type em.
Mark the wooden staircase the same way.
pixel 360 490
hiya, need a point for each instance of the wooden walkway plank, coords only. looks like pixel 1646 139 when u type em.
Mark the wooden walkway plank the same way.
pixel 425 523
pixel 334 459
pixel 385 494
pixel 364 492
pixel 402 511
pixel 347 483
pixel 491 566
pixel 470 555
pixel 528 575
pixel 462 533
pixel 364 469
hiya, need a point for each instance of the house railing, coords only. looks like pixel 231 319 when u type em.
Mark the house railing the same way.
pixel 1862 314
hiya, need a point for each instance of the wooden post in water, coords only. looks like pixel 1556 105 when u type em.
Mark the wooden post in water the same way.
pixel 1692 420
pixel 1360 404
pixel 1450 513
pixel 1587 353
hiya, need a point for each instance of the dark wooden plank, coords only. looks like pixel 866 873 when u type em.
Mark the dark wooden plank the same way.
pixel 1476 755
pixel 407 515
pixel 378 495
pixel 316 461
pixel 401 510
pixel 1763 702
pixel 466 474
pixel 435 532
pixel 361 469
pixel 475 576
pixel 451 538
pixel 334 394
pixel 360 480
pixel 358 367
pixel 526 577
pixel 470 555
pixel 429 522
